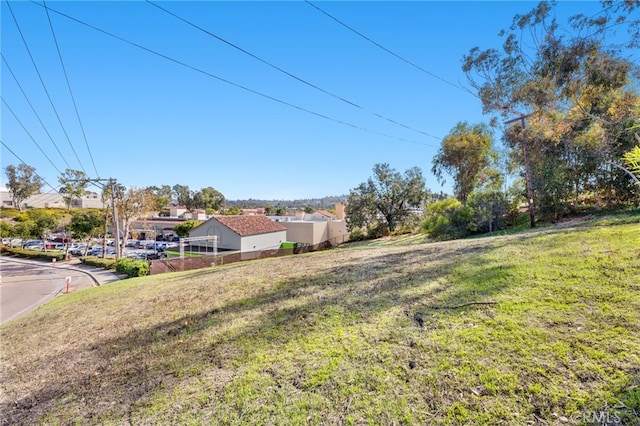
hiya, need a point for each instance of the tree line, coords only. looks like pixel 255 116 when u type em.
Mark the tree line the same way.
pixel 567 103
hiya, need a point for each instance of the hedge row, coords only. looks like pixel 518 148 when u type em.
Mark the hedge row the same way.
pixel 34 254
pixel 98 262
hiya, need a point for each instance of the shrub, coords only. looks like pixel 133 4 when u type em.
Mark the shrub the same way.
pixel 133 267
pixel 35 254
pixel 107 263
pixel 447 218
pixel 380 229
pixel 356 235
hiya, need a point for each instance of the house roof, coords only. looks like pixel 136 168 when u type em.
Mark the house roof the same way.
pixel 324 213
pixel 250 225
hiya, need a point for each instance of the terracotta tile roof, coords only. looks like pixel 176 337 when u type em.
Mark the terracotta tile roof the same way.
pixel 324 213
pixel 250 225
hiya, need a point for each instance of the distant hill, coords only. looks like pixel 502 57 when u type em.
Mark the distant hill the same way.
pixel 317 203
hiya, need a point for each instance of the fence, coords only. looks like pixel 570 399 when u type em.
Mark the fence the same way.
pixel 162 266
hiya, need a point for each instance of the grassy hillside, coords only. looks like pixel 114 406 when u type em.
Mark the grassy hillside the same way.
pixel 540 327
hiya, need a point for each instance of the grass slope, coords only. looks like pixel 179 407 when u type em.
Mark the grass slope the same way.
pixel 540 327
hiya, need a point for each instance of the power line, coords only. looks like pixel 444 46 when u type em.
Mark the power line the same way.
pixel 301 80
pixel 34 110
pixel 239 86
pixel 43 85
pixel 73 99
pixel 29 134
pixel 20 159
pixel 413 64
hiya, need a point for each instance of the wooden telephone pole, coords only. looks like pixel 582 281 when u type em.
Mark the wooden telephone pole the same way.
pixel 110 184
pixel 527 165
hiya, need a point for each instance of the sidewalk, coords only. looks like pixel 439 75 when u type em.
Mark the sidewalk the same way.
pixel 99 276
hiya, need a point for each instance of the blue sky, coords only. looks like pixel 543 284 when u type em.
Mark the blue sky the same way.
pixel 215 116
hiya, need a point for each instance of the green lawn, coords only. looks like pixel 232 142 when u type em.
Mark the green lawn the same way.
pixel 540 326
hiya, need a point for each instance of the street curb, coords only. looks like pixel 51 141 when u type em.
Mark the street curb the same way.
pixel 80 268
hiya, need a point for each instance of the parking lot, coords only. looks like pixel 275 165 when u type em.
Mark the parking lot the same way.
pixel 135 249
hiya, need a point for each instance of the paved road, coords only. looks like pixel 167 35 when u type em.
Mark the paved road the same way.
pixel 27 285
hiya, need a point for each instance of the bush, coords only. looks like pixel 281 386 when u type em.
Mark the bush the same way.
pixel 107 263
pixel 447 218
pixel 35 254
pixel 379 230
pixel 356 235
pixel 132 267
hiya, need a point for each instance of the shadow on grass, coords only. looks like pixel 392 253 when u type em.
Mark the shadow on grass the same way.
pixel 120 376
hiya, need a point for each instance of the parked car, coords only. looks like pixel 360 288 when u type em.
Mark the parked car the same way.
pixel 78 250
pixel 156 256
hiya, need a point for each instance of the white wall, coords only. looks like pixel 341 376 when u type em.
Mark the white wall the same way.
pixel 270 241
pixel 227 239
pixel 306 232
pixel 337 232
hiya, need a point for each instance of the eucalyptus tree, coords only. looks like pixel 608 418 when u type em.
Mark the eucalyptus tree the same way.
pixel 571 90
pixel 74 185
pixel 162 196
pixel 182 195
pixel 22 182
pixel 467 155
pixel 132 204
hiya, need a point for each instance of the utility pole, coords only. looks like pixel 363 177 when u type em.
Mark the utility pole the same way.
pixel 527 164
pixel 111 185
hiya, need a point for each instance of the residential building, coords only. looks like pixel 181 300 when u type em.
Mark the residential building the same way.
pixel 244 233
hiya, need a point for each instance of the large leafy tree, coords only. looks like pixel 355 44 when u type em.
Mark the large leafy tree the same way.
pixel 182 195
pixel 467 155
pixel 83 225
pixel 74 185
pixel 132 204
pixel 208 198
pixel 162 196
pixel 43 222
pixel 572 87
pixel 387 196
pixel 183 229
pixel 23 182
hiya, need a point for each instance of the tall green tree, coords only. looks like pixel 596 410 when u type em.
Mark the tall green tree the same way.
pixel 572 86
pixel 467 155
pixel 84 225
pixel 22 182
pixel 182 194
pixel 388 197
pixel 74 185
pixel 208 198
pixel 132 204
pixel 162 196
pixel 43 223
pixel 183 229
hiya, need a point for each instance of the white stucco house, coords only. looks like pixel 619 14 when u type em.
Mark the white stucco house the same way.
pixel 53 200
pixel 243 233
pixel 315 232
